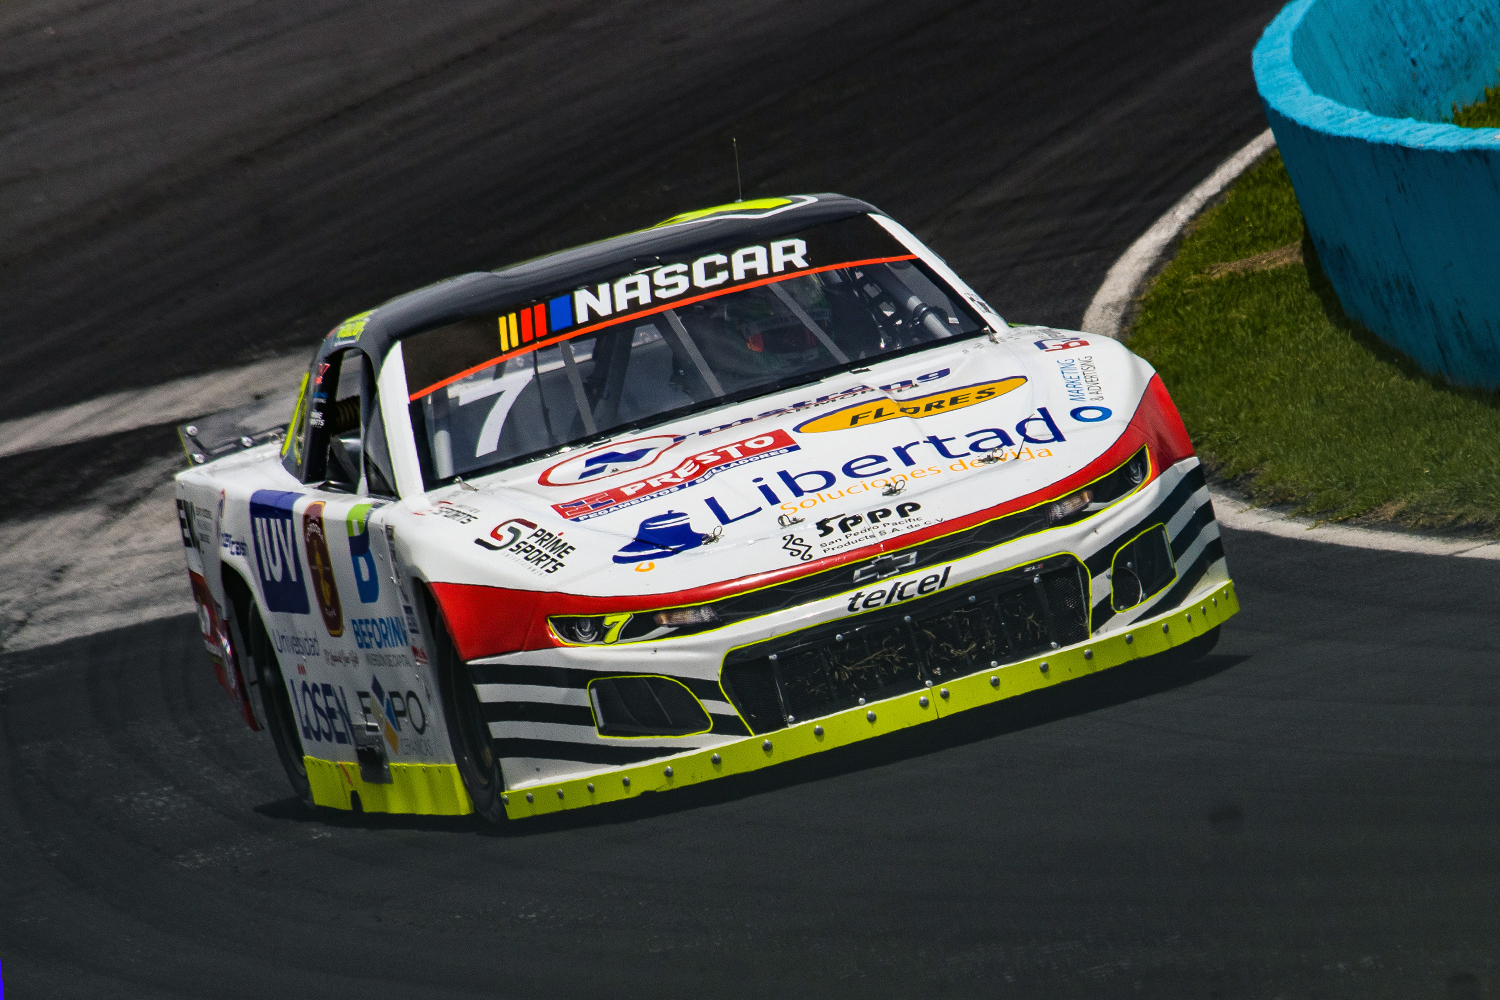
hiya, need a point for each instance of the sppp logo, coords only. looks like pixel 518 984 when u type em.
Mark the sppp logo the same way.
pixel 276 550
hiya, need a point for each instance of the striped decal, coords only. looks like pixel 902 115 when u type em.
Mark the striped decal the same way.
pixel 522 327
pixel 1188 514
pixel 540 719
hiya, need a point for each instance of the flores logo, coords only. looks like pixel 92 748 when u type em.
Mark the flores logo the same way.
pixel 365 575
pixel 276 550
pixel 536 547
pixel 321 568
pixel 878 410
pixel 609 460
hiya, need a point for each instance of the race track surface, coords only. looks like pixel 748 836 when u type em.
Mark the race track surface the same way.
pixel 1312 810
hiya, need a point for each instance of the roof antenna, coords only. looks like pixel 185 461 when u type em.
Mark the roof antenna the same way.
pixel 739 188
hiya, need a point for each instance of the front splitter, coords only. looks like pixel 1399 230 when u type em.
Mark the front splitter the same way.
pixel 1147 637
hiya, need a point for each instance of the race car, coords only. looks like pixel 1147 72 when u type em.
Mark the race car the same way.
pixel 761 481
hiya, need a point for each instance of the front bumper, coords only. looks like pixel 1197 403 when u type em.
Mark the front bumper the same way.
pixel 1207 609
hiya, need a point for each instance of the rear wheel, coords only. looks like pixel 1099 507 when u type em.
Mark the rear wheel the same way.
pixel 468 733
pixel 276 705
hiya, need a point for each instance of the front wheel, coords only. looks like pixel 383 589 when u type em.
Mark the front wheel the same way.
pixel 468 733
pixel 276 703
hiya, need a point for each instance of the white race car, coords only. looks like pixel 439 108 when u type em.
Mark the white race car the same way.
pixel 757 482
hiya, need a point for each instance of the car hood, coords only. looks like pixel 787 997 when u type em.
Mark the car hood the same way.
pixel 851 465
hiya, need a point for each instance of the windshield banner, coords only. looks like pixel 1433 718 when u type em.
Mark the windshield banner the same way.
pixel 439 357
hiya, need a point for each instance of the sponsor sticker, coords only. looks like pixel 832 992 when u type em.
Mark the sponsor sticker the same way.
pixel 1060 344
pixel 692 470
pixel 366 576
pixel 898 590
pixel 611 459
pixel 661 536
pixel 458 512
pixel 535 547
pixel 875 411
pixel 352 327
pixel 387 632
pixel 275 541
pixel 1080 376
pixel 320 566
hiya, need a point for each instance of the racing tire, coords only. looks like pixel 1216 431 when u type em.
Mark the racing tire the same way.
pixel 468 733
pixel 276 706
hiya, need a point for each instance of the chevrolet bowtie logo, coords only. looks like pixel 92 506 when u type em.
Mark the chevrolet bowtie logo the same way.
pixel 884 566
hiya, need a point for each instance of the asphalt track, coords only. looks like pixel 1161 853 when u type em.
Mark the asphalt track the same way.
pixel 1310 811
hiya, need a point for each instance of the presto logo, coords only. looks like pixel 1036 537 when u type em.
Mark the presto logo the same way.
pixel 275 539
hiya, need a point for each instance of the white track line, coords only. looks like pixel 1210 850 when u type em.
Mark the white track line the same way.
pixel 1237 513
pixel 1106 313
pixel 170 402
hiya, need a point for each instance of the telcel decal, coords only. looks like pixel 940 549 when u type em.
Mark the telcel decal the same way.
pixel 692 470
pixel 321 566
pixel 276 550
pixel 875 411
pixel 609 460
pixel 898 591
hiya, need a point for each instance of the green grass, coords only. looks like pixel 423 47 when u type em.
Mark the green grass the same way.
pixel 1483 113
pixel 1292 401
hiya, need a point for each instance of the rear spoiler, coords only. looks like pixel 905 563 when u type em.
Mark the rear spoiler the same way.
pixel 210 438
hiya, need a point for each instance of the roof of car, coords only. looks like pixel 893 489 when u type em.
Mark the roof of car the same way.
pixel 481 292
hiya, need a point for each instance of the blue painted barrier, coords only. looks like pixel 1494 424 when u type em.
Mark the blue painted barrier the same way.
pixel 1404 213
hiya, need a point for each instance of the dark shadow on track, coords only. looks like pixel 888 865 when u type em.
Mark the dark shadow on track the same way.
pixel 1178 668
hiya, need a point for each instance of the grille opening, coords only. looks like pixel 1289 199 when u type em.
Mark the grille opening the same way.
pixel 1141 567
pixel 825 669
pixel 646 706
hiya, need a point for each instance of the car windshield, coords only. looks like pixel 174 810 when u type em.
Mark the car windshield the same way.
pixel 573 369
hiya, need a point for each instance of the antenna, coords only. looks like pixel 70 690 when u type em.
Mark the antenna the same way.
pixel 739 188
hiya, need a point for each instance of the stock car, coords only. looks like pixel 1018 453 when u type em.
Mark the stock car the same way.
pixel 757 482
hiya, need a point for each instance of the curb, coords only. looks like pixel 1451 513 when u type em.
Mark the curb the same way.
pixel 1105 318
pixel 1106 313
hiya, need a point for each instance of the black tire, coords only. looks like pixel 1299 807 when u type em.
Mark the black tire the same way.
pixel 468 733
pixel 276 706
